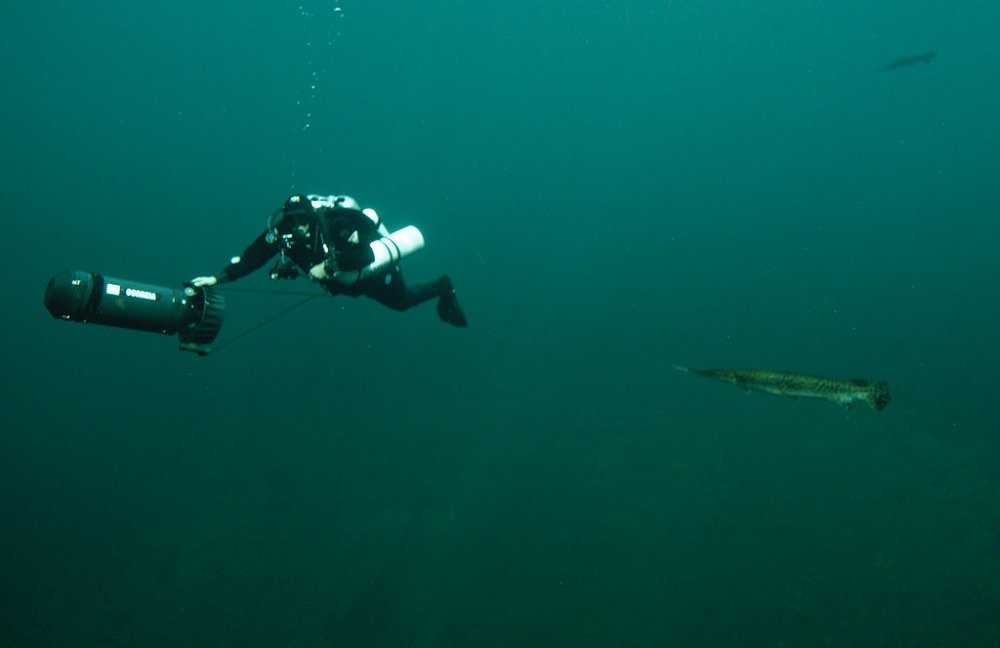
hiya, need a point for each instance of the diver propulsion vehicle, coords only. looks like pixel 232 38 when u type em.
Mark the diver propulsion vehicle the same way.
pixel 194 314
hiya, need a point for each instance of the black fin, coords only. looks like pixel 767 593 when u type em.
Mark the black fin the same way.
pixel 449 311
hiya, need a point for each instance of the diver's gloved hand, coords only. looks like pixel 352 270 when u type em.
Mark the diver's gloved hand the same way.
pixel 318 272
pixel 203 282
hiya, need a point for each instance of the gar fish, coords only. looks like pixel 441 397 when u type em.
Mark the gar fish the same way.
pixel 907 61
pixel 795 385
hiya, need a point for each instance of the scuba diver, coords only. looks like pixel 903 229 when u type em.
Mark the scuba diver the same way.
pixel 334 242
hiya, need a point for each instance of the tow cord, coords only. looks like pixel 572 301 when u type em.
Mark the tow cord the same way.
pixel 308 297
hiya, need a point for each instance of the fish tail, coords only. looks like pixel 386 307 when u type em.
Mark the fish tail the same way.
pixel 878 396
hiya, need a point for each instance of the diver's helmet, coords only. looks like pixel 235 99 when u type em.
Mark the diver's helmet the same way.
pixel 298 210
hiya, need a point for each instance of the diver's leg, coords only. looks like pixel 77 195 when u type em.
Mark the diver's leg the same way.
pixel 391 290
pixel 388 290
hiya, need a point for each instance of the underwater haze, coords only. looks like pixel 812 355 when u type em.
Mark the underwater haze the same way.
pixel 614 188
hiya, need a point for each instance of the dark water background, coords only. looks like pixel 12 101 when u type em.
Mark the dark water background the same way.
pixel 614 187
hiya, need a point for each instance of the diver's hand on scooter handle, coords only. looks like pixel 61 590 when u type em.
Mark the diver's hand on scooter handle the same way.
pixel 203 282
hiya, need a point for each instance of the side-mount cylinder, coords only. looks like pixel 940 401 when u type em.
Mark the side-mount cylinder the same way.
pixel 387 251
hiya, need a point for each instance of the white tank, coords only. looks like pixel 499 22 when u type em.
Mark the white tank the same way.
pixel 388 251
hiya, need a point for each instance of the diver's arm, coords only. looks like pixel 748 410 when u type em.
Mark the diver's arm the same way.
pixel 353 257
pixel 348 233
pixel 255 256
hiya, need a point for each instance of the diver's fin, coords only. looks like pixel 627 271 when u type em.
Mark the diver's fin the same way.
pixel 448 309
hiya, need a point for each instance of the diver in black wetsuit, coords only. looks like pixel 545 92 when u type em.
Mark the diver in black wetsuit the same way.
pixel 329 238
